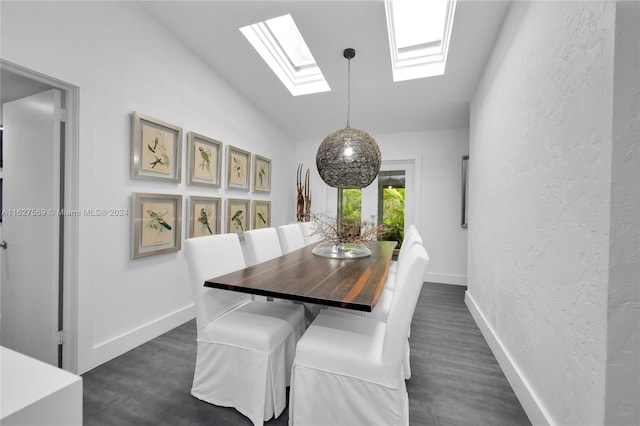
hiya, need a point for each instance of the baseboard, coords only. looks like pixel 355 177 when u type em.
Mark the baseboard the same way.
pixel 112 348
pixel 432 277
pixel 532 405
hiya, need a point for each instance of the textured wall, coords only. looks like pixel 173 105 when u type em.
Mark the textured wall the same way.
pixel 623 335
pixel 540 148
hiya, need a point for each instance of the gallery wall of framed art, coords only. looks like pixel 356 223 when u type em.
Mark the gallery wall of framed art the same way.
pixel 227 188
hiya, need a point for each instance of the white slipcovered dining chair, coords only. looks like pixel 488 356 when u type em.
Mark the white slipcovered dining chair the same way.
pixel 308 230
pixel 411 237
pixel 291 237
pixel 382 308
pixel 381 311
pixel 348 370
pixel 245 348
pixel 262 245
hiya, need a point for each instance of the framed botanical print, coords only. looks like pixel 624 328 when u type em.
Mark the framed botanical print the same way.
pixel 237 216
pixel 204 216
pixel 204 160
pixel 156 148
pixel 238 168
pixel 260 214
pixel 261 174
pixel 157 224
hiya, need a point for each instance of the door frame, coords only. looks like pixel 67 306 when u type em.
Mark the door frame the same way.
pixel 70 234
pixel 412 195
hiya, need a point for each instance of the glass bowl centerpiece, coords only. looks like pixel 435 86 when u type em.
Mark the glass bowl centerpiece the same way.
pixel 344 238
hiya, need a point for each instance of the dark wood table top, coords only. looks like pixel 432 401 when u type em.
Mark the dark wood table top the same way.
pixel 302 276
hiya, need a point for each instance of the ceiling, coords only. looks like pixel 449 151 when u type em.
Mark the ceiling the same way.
pixel 378 105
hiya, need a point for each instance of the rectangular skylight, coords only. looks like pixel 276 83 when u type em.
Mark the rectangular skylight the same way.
pixel 419 33
pixel 279 42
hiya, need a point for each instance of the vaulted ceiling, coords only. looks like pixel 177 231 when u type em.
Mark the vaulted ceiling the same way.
pixel 378 105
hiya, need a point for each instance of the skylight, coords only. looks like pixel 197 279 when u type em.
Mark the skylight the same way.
pixel 279 42
pixel 419 33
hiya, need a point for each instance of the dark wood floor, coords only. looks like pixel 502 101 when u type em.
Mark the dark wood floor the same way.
pixel 456 379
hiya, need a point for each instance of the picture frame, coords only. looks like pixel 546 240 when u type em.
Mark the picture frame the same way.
pixel 465 191
pixel 204 216
pixel 261 174
pixel 157 224
pixel 238 216
pixel 156 149
pixel 204 160
pixel 260 214
pixel 238 168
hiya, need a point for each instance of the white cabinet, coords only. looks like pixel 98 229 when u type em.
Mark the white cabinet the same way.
pixel 34 393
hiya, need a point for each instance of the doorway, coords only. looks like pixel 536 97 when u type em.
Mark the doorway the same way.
pixel 60 331
pixel 391 202
pixel 368 203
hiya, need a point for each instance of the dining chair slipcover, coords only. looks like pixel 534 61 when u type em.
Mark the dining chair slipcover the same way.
pixel 411 237
pixel 348 370
pixel 262 245
pixel 291 237
pixel 308 232
pixel 245 348
pixel 382 308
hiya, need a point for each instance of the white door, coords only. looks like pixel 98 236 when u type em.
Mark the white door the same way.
pixel 31 226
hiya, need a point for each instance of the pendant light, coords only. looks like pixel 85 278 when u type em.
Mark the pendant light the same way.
pixel 348 158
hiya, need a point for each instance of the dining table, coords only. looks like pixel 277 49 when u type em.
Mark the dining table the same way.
pixel 351 283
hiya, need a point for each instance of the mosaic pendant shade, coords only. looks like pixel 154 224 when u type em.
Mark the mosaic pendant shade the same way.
pixel 348 158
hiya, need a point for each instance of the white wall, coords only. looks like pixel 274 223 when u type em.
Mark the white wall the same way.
pixel 438 159
pixel 123 61
pixel 622 405
pixel 540 148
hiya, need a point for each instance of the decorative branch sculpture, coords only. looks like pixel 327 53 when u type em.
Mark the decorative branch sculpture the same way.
pixel 346 230
pixel 300 202
pixel 307 198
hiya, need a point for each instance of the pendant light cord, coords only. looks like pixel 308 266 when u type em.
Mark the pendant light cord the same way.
pixel 348 91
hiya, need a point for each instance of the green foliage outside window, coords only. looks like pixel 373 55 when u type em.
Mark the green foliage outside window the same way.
pixel 393 214
pixel 351 204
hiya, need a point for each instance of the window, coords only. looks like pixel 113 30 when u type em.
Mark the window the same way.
pixel 419 33
pixel 350 205
pixel 279 42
